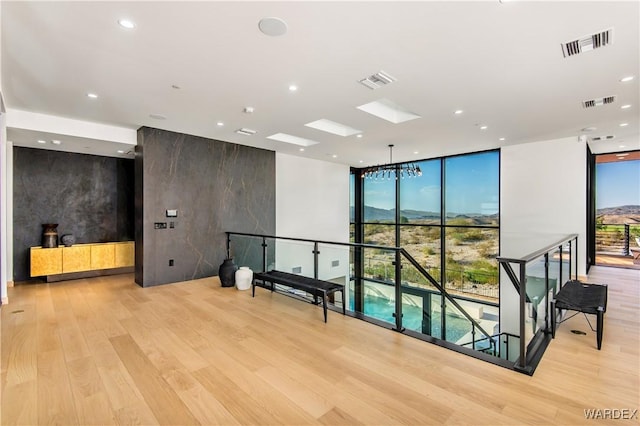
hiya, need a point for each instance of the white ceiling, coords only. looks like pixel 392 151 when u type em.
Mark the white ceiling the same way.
pixel 501 63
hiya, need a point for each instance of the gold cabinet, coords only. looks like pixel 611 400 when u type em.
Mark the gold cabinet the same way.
pixel 81 258
pixel 124 254
pixel 46 261
pixel 103 256
pixel 76 258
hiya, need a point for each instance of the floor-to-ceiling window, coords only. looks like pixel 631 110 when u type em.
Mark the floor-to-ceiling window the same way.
pixel 617 209
pixel 447 219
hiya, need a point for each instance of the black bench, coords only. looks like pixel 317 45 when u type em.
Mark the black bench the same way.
pixel 317 288
pixel 585 298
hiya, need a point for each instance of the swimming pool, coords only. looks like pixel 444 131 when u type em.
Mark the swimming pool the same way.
pixel 383 309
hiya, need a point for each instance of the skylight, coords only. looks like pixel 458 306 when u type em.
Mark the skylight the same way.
pixel 333 127
pixel 283 137
pixel 388 110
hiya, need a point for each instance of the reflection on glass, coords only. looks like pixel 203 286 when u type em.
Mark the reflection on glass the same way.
pixel 470 264
pixel 537 293
pixel 472 189
pixel 420 196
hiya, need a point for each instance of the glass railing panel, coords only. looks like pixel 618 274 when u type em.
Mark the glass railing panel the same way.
pixel 295 257
pixel 378 264
pixel 334 263
pixel 537 297
pixel 565 267
pixel 457 328
pixel 379 301
pixel 555 271
pixel 246 251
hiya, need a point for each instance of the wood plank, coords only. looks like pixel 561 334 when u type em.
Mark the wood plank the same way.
pixel 162 400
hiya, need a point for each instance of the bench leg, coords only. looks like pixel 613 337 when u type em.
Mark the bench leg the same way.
pixel 600 326
pixel 324 305
pixel 553 319
pixel 253 288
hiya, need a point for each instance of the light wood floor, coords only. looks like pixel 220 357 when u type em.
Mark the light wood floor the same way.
pixel 104 351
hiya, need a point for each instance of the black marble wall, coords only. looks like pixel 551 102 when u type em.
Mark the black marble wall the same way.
pixel 88 196
pixel 215 187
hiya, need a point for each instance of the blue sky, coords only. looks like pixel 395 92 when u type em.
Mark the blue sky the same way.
pixel 617 184
pixel 471 186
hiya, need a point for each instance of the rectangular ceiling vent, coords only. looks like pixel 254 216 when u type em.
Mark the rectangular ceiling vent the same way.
pixel 246 132
pixel 377 80
pixel 587 43
pixel 592 103
pixel 602 138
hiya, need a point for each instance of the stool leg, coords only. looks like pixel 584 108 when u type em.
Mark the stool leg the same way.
pixel 600 326
pixel 324 305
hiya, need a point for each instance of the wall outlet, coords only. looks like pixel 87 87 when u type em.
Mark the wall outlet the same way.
pixel 160 225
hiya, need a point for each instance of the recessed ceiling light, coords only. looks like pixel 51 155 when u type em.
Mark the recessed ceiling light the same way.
pixel 293 88
pixel 415 152
pixel 359 135
pixel 272 26
pixel 219 124
pixel 588 129
pixel 248 110
pixel 624 124
pixel 127 23
pixel 92 95
pixel 458 111
pixel 623 146
pixel 627 106
pixel 158 116
pixel 361 161
pixel 501 139
pixel 120 151
pixel 301 149
pixel 334 156
pixel 56 142
pixel 626 79
pixel 41 141
pixel 483 127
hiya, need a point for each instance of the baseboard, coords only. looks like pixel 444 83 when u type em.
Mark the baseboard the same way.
pixel 10 283
pixel 5 300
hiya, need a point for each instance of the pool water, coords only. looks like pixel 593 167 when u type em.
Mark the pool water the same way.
pixel 383 309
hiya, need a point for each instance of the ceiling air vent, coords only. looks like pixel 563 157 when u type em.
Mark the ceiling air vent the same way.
pixel 587 43
pixel 376 80
pixel 592 103
pixel 602 138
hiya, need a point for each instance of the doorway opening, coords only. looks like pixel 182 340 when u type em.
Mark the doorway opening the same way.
pixel 616 223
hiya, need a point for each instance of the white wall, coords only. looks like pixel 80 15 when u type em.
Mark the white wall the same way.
pixel 543 196
pixel 312 201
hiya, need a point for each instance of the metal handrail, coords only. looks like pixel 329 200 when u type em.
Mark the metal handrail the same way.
pixel 398 250
pixel 533 255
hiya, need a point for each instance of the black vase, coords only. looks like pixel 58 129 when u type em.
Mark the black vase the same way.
pixel 227 273
pixel 49 235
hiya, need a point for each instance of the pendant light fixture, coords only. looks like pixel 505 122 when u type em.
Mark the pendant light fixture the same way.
pixel 386 171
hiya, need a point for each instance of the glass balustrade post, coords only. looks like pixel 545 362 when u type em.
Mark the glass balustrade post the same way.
pixel 264 254
pixel 523 316
pixel 315 260
pixel 545 299
pixel 398 292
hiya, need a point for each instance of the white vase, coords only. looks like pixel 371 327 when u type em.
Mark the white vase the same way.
pixel 244 275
